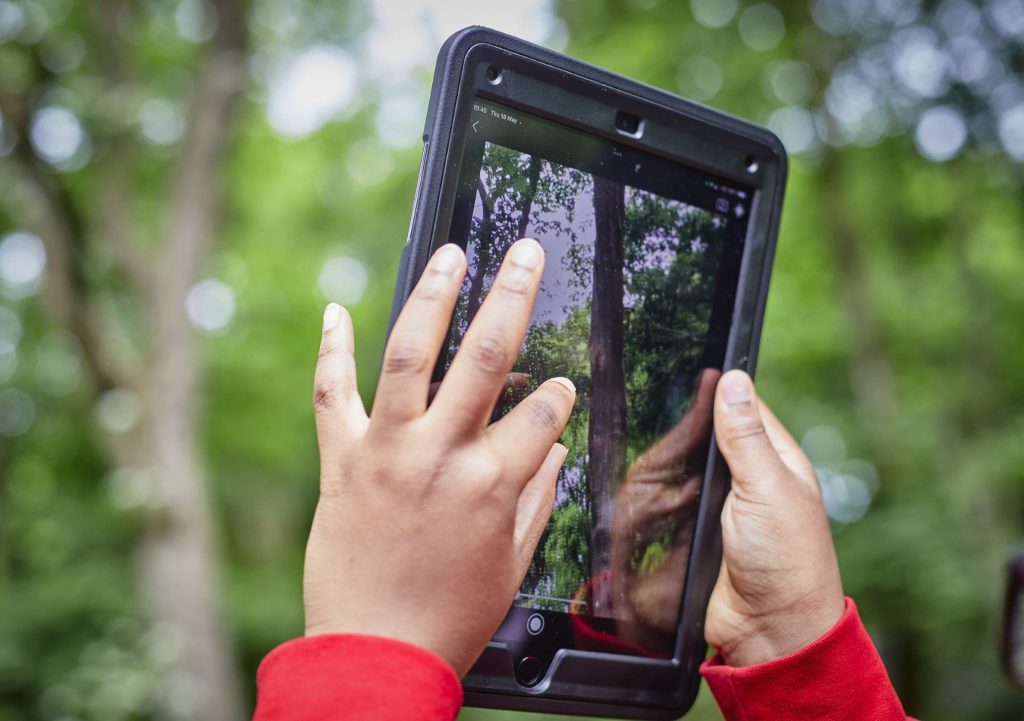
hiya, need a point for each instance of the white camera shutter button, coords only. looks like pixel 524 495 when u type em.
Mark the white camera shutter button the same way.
pixel 535 624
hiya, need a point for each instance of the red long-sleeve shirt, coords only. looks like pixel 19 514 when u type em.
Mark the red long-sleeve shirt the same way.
pixel 839 677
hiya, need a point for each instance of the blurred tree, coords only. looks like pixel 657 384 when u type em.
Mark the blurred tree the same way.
pixel 141 352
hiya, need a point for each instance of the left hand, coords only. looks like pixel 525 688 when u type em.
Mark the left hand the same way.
pixel 779 588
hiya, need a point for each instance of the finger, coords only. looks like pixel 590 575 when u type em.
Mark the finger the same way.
pixel 524 436
pixel 475 379
pixel 513 382
pixel 533 510
pixel 336 401
pixel 753 461
pixel 416 339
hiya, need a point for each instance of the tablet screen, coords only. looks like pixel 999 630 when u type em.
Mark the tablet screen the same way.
pixel 635 303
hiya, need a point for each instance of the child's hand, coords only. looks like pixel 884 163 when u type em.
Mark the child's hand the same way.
pixel 428 518
pixel 779 587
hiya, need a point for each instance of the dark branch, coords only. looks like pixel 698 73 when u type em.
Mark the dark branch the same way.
pixel 114 196
pixel 62 230
pixel 194 191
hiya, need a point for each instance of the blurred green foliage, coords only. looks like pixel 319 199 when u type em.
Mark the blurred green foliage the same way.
pixel 893 332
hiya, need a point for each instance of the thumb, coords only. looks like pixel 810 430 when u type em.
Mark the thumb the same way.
pixel 741 435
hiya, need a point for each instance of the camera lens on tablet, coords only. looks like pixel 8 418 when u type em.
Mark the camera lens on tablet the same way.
pixel 626 123
pixel 528 671
pixel 493 75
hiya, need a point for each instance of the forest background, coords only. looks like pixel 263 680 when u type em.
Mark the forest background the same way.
pixel 184 185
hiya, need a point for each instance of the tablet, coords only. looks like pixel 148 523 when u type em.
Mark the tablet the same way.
pixel 658 218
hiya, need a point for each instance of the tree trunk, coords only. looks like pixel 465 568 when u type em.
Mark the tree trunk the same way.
pixel 532 179
pixel 607 428
pixel 483 253
pixel 491 246
pixel 178 557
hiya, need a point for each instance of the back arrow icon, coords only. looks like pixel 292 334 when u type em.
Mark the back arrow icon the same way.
pixel 474 126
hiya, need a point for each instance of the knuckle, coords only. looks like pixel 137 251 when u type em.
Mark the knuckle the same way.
pixel 324 397
pixel 745 429
pixel 545 414
pixel 432 290
pixel 517 289
pixel 489 354
pixel 326 350
pixel 406 360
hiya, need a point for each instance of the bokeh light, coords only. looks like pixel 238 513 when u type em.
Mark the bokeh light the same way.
pixel 796 128
pixel 10 335
pixel 132 488
pixel 1011 131
pixel 195 20
pixel 343 279
pixel 940 133
pixel 22 262
pixel 119 410
pixel 848 486
pixel 405 35
pixel 210 305
pixel 762 26
pixel 161 122
pixel 368 163
pixel 792 82
pixel 8 358
pixel 57 135
pixel 854 108
pixel 699 78
pixel 1007 17
pixel 311 89
pixel 12 20
pixel 714 13
pixel 399 118
pixel 919 63
pixel 17 412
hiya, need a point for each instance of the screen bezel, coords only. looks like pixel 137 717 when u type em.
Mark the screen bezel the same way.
pixel 575 94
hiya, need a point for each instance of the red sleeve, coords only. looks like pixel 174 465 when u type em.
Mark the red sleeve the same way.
pixel 839 677
pixel 355 678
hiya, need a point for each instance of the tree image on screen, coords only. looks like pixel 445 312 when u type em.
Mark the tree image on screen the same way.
pixel 623 311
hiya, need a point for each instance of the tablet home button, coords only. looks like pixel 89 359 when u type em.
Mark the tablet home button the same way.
pixel 528 671
pixel 535 624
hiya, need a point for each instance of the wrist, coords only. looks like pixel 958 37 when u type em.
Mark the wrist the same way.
pixel 776 635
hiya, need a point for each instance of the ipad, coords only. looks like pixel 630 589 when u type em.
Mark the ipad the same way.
pixel 658 218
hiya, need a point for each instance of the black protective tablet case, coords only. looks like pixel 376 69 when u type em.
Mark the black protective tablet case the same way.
pixel 570 91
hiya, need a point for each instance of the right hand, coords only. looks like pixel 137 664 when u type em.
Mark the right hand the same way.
pixel 428 517
pixel 779 588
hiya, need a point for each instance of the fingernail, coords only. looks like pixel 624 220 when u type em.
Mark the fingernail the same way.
pixel 332 314
pixel 447 259
pixel 526 253
pixel 736 388
pixel 565 382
